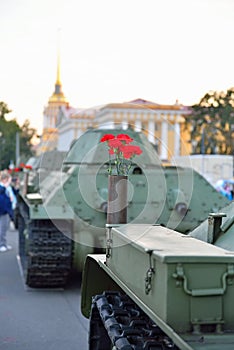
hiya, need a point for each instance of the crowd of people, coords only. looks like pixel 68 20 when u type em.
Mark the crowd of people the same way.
pixel 9 188
pixel 226 188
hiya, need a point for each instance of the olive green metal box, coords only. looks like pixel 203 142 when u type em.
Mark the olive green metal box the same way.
pixel 186 283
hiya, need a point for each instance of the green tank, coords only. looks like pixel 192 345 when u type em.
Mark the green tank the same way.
pixel 62 214
pixel 155 288
pixel 218 228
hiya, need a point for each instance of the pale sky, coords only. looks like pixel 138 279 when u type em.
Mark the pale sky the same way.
pixel 113 51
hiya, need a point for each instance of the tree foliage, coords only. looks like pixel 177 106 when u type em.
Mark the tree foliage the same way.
pixel 211 123
pixel 8 132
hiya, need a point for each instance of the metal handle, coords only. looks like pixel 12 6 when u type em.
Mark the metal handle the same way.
pixel 179 275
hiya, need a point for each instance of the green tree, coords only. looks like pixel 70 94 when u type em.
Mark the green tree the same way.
pixel 211 123
pixel 8 132
pixel 27 134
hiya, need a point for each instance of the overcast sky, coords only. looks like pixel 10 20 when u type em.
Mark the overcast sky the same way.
pixel 113 51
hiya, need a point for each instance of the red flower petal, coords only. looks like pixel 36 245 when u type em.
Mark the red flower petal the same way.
pixel 137 150
pixel 114 143
pixel 124 137
pixel 107 137
pixel 130 150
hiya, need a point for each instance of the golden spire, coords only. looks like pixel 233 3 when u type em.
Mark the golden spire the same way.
pixel 58 95
pixel 58 81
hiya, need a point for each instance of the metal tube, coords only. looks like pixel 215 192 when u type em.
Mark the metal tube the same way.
pixel 117 199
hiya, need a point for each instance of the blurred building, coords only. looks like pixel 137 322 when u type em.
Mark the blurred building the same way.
pixel 213 167
pixel 72 123
pixel 162 124
pixel 49 138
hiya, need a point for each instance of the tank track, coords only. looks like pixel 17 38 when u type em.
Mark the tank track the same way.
pixel 49 255
pixel 116 322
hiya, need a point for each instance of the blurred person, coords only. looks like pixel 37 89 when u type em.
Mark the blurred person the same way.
pixel 12 193
pixel 15 185
pixel 6 209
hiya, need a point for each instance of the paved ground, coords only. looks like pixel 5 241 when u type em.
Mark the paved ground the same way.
pixel 33 319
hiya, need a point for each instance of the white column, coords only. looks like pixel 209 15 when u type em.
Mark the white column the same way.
pixel 52 118
pixel 137 126
pixel 151 130
pixel 124 125
pixel 45 121
pixel 164 140
pixel 123 118
pixel 107 125
pixel 177 139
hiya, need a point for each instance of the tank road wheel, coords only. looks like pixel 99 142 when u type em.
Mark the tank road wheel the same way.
pixel 116 322
pixel 22 219
pixel 21 240
pixel 98 336
pixel 49 254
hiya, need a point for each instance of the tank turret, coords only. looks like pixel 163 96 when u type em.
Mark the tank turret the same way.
pixel 62 217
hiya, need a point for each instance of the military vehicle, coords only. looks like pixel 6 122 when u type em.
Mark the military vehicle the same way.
pixel 156 288
pixel 218 228
pixel 62 214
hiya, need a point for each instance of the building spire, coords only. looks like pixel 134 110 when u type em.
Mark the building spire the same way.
pixel 58 80
pixel 58 95
pixel 58 85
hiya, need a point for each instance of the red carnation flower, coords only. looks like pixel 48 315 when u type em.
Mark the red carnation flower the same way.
pixel 124 137
pixel 130 151
pixel 114 143
pixel 107 137
pixel 137 150
pixel 121 152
